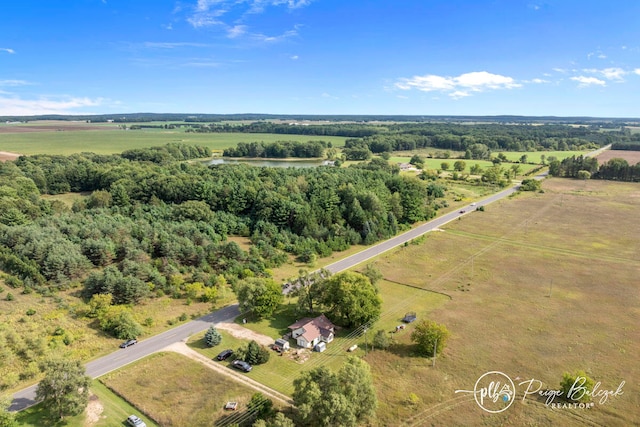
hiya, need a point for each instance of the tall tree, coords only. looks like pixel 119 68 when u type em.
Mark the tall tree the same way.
pixel 351 299
pixel 7 419
pixel 324 398
pixel 260 296
pixel 64 388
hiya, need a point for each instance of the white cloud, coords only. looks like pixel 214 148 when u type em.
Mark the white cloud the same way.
pixel 236 31
pixel 637 71
pixel 14 83
pixel 539 81
pixel 612 73
pixel 171 45
pixel 588 81
pixel 13 106
pixel 6 49
pixel 275 39
pixel 460 86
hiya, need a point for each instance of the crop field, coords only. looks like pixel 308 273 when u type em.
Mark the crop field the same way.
pixel 632 157
pixel 110 140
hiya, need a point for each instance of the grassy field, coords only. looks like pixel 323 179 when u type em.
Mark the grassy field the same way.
pixel 117 140
pixel 500 266
pixel 105 409
pixel 185 394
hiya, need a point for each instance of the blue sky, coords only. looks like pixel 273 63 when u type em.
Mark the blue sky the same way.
pixel 431 57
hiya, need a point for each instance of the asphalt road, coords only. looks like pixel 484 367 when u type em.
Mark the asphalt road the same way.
pixel 98 367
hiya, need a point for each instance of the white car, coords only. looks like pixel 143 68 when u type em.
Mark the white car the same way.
pixel 134 421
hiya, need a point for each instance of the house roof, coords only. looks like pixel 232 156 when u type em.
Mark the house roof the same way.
pixel 314 327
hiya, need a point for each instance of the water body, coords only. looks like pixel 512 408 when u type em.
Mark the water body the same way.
pixel 274 163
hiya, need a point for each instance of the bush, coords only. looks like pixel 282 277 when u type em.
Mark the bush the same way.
pixel 429 335
pixel 9 297
pixel 254 353
pixel 577 387
pixel 381 340
pixel 31 312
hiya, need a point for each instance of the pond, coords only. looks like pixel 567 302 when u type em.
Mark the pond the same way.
pixel 275 163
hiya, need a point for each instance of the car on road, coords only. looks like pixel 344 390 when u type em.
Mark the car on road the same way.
pixel 462 211
pixel 134 421
pixel 224 355
pixel 242 365
pixel 128 343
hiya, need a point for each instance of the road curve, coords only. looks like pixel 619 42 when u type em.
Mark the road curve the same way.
pixel 98 367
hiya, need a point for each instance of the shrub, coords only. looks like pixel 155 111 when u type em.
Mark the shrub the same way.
pixel 381 340
pixel 183 317
pixel 9 297
pixel 429 335
pixel 577 387
pixel 31 312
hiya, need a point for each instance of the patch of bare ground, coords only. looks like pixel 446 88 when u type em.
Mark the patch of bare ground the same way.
pixel 244 333
pixel 632 157
pixel 5 156
pixel 93 411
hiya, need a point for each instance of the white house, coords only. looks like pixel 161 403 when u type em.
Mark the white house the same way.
pixel 308 332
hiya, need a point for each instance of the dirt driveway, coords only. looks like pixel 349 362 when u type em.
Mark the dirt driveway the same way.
pixel 245 334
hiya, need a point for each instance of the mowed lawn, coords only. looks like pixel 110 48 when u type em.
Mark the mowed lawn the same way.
pixel 110 141
pixel 542 284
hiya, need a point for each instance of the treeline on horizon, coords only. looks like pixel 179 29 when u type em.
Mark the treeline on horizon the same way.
pixel 152 228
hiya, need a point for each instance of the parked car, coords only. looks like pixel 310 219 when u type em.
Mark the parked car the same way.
pixel 224 355
pixel 134 421
pixel 242 365
pixel 128 343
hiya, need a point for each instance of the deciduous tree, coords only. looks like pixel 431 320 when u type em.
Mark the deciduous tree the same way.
pixel 429 336
pixel 64 388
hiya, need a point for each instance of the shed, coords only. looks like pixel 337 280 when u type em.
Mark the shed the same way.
pixel 281 344
pixel 320 347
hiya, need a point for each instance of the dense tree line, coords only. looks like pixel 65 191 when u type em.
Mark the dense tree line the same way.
pixel 278 149
pixel 629 146
pixel 587 167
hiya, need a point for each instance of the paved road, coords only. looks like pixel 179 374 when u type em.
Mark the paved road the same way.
pixel 96 368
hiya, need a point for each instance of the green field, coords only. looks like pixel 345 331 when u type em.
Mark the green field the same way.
pixel 118 140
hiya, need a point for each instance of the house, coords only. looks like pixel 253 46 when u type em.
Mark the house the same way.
pixel 310 331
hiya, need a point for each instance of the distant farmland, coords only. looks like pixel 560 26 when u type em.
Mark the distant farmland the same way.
pixel 632 157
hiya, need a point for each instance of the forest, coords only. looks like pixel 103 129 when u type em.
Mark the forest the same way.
pixel 147 220
pixel 616 169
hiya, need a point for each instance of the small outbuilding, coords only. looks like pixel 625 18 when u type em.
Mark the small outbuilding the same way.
pixel 281 345
pixel 320 347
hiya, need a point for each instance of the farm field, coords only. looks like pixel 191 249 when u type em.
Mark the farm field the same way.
pixel 632 157
pixel 110 141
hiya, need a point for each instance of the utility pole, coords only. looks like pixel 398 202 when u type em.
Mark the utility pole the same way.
pixel 435 346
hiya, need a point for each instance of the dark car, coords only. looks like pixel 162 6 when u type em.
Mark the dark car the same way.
pixel 224 355
pixel 128 343
pixel 242 365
